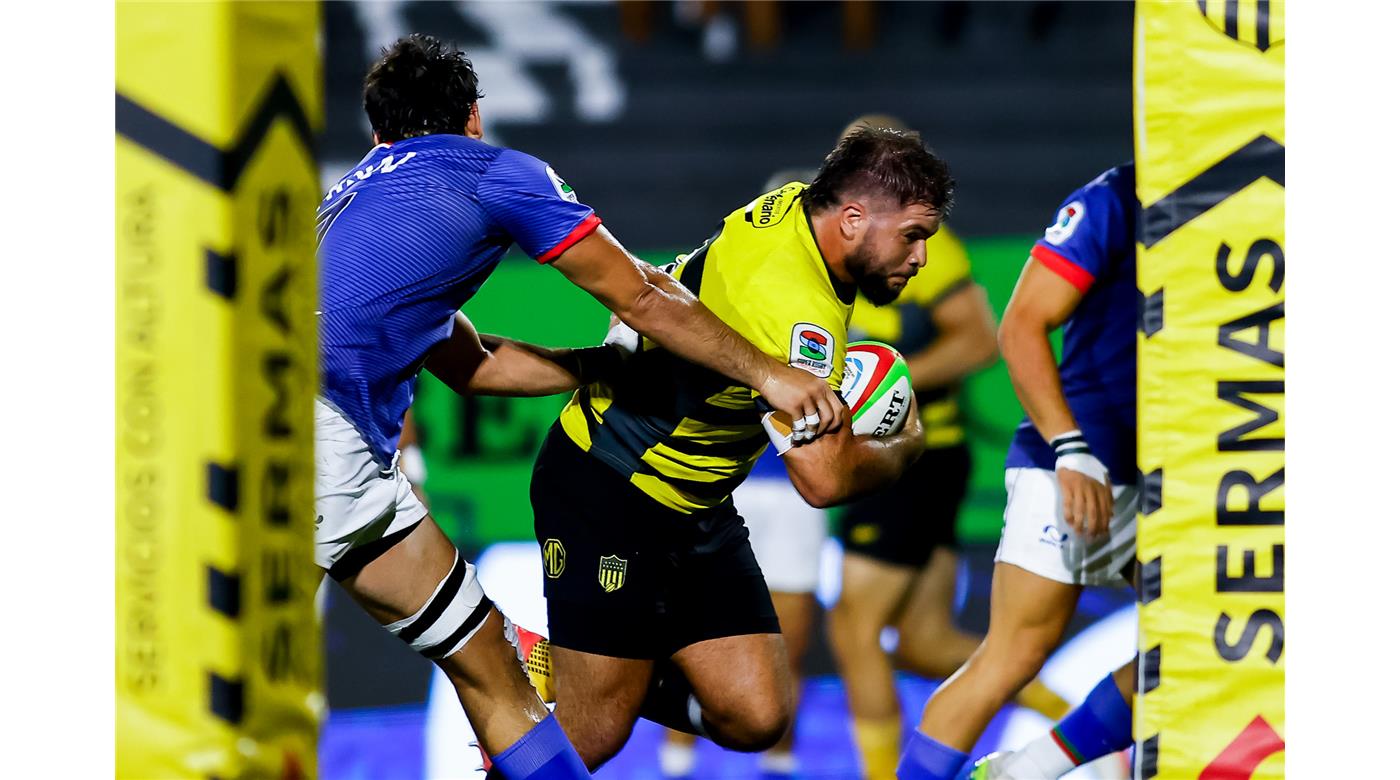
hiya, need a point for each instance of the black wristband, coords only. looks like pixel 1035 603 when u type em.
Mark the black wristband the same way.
pixel 596 364
pixel 1070 443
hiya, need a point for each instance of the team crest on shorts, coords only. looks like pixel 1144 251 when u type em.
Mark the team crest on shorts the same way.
pixel 553 552
pixel 612 572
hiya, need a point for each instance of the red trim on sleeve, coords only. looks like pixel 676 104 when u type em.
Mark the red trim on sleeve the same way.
pixel 588 225
pixel 1063 267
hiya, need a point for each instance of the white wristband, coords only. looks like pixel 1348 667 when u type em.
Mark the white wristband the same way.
pixel 1072 452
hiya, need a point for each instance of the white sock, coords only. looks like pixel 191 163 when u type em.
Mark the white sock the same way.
pixel 1041 758
pixel 676 760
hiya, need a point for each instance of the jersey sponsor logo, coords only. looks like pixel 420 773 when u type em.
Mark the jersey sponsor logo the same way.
pixel 1065 222
pixel 553 552
pixel 560 186
pixel 812 349
pixel 769 210
pixel 612 572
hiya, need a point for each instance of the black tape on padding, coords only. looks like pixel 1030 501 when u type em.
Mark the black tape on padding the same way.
pixel 222 487
pixel 1150 581
pixel 221 273
pixel 226 698
pixel 1151 312
pixel 1152 669
pixel 200 158
pixel 1150 490
pixel 1259 159
pixel 1147 757
pixel 224 592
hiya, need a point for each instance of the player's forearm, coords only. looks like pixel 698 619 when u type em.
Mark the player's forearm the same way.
pixel 951 358
pixel 1025 345
pixel 839 468
pixel 515 368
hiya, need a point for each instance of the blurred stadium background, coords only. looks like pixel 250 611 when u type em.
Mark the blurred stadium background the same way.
pixel 665 116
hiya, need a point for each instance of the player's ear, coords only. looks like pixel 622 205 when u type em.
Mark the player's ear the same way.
pixel 474 123
pixel 853 220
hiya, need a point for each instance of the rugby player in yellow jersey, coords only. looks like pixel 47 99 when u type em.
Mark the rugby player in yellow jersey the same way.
pixel 656 605
pixel 900 562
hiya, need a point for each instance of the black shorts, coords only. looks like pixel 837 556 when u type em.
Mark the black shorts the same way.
pixel 629 578
pixel 905 522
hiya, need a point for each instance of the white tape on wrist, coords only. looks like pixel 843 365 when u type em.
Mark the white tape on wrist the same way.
pixel 1085 464
pixel 1072 452
pixel 624 338
pixel 778 432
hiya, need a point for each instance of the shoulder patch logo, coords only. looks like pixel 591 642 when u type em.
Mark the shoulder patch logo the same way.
pixel 1065 223
pixel 560 186
pixel 812 349
pixel 770 209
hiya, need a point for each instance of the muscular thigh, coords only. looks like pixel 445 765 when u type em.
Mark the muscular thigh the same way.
pixel 738 673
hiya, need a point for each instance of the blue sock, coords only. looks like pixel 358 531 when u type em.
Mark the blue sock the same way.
pixel 925 758
pixel 544 753
pixel 1103 724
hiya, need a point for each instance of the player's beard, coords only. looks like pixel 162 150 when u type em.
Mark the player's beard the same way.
pixel 873 285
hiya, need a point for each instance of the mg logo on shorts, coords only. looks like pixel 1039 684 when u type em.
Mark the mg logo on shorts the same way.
pixel 553 552
pixel 612 572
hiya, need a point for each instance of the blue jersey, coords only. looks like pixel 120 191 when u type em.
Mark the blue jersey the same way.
pixel 406 238
pixel 1092 245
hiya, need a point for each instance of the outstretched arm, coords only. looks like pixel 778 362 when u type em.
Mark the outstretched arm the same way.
pixel 660 308
pixel 492 365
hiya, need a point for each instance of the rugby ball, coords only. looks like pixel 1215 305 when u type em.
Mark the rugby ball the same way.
pixel 876 387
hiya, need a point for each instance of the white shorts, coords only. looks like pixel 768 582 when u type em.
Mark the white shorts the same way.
pixel 786 533
pixel 1036 539
pixel 357 500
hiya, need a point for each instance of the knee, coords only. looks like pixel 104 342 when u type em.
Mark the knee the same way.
pixel 851 630
pixel 754 725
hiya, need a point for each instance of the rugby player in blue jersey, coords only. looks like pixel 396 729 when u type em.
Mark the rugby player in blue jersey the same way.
pixel 1071 475
pixel 406 238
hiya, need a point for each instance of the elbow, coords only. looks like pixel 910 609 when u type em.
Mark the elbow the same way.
pixel 640 309
pixel 820 498
pixel 820 493
pixel 988 349
pixel 1011 332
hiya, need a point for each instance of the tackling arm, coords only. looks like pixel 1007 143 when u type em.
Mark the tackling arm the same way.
pixel 967 340
pixel 660 308
pixel 491 365
pixel 839 467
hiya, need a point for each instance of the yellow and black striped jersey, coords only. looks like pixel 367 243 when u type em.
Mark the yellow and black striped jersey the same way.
pixel 685 435
pixel 907 325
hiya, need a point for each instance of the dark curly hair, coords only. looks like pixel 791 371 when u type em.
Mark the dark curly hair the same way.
pixel 879 160
pixel 420 86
